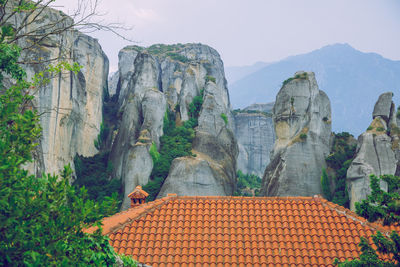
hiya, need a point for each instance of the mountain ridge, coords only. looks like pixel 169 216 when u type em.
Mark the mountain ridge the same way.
pixel 342 71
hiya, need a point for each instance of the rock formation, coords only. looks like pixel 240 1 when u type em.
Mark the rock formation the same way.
pixel 302 121
pixel 160 77
pixel 377 150
pixel 71 104
pixel 254 130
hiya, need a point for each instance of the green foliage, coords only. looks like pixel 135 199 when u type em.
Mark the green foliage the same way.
pixel 172 51
pixel 225 118
pixel 398 113
pixel 41 218
pixel 325 184
pixel 247 181
pixel 176 142
pixel 194 110
pixel 379 205
pixel 210 79
pixel 325 119
pixel 95 174
pixel 178 57
pixel 380 129
pixel 303 136
pixel 297 76
pixel 154 153
pixel 370 128
pixel 339 161
pixel 100 142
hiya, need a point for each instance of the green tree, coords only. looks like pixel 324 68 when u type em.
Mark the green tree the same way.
pixel 385 206
pixel 325 184
pixel 42 218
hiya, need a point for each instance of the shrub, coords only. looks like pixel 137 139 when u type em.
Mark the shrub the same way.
pixel 303 136
pixel 370 128
pixel 154 153
pixel 339 161
pixel 380 129
pixel 325 119
pixel 225 118
pixel 249 181
pixel 325 184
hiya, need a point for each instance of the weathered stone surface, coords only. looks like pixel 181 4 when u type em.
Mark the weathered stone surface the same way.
pixel 71 104
pixel 141 125
pixel 377 152
pixel 256 136
pixel 160 77
pixel 113 80
pixel 302 116
pixel 383 107
pixel 267 107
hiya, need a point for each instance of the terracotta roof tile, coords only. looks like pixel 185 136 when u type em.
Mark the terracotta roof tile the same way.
pixel 225 231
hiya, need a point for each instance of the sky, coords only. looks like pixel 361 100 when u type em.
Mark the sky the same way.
pixel 248 31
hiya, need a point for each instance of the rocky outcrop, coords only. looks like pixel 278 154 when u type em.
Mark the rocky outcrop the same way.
pixel 161 77
pixel 377 151
pixel 71 104
pixel 302 121
pixel 254 130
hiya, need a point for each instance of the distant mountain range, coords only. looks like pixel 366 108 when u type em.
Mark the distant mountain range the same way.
pixel 352 79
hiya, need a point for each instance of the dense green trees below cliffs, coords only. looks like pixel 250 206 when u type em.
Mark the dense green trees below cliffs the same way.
pixel 333 180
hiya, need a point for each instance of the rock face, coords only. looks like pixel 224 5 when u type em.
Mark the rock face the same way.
pixel 377 150
pixel 302 120
pixel 154 79
pixel 71 104
pixel 254 130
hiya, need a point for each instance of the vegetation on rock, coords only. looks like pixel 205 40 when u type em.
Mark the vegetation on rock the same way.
pixel 302 76
pixel 384 206
pixel 338 162
pixel 176 142
pixel 247 184
pixel 42 218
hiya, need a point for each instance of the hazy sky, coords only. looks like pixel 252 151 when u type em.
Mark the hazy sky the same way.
pixel 245 32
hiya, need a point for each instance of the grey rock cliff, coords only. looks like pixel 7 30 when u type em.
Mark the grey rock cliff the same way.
pixel 377 151
pixel 302 116
pixel 255 134
pixel 152 80
pixel 71 104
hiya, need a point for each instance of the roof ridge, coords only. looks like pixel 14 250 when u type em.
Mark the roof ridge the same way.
pixel 249 198
pixel 354 216
pixel 121 219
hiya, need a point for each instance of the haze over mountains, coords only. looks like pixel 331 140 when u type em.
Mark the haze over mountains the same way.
pixel 352 80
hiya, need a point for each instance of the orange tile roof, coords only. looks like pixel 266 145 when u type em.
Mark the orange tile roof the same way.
pixel 224 231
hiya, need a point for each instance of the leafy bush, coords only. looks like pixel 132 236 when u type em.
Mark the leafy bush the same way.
pixel 303 136
pixel 95 174
pixel 247 181
pixel 41 218
pixel 339 162
pixel 225 118
pixel 154 153
pixel 325 119
pixel 380 129
pixel 325 184
pixel 380 205
pixel 370 128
